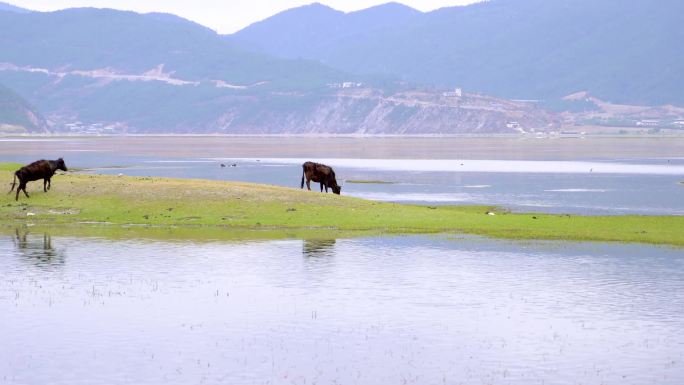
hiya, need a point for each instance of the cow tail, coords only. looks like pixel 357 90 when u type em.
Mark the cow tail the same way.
pixel 14 183
pixel 303 173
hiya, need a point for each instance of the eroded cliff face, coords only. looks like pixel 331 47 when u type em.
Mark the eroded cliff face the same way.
pixel 366 111
pixel 108 100
pixel 17 115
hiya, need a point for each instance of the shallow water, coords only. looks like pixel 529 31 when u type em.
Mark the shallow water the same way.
pixel 578 176
pixel 413 309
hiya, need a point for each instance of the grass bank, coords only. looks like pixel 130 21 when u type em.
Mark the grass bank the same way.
pixel 232 209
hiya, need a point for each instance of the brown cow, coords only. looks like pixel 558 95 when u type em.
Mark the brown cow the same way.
pixel 322 174
pixel 40 169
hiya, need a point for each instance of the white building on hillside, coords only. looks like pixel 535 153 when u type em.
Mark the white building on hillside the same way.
pixel 456 93
pixel 648 123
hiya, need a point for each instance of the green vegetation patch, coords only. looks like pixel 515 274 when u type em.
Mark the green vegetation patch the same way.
pixel 12 167
pixel 182 207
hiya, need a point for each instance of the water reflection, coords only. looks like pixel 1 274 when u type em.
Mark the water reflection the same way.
pixel 388 310
pixel 313 248
pixel 37 248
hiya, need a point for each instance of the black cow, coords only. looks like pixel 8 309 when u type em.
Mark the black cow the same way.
pixel 322 174
pixel 40 169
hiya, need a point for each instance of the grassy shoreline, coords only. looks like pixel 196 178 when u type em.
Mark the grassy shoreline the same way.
pixel 231 210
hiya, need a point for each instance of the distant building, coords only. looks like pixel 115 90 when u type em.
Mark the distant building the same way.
pixel 456 93
pixel 648 123
pixel 345 85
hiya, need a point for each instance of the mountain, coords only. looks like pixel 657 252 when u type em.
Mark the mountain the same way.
pixel 17 115
pixel 140 72
pixel 11 8
pixel 315 31
pixel 89 39
pixel 620 51
pixel 106 71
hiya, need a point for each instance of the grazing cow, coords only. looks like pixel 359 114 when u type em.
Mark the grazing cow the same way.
pixel 41 169
pixel 322 174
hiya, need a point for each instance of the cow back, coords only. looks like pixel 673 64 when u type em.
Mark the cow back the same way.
pixel 39 169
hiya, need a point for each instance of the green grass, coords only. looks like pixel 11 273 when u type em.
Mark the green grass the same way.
pixel 233 210
pixel 9 167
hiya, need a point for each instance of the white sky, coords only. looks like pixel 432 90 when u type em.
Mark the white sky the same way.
pixel 224 16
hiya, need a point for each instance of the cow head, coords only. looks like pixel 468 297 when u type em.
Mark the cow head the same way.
pixel 336 189
pixel 61 165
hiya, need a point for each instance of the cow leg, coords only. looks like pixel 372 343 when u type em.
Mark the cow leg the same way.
pixel 22 186
pixel 321 187
pixel 45 185
pixel 49 183
pixel 308 184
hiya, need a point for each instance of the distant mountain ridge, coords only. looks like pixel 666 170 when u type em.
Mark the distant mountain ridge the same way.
pixel 92 39
pixel 107 71
pixel 17 115
pixel 313 31
pixel 622 51
pixel 102 70
pixel 141 72
pixel 12 8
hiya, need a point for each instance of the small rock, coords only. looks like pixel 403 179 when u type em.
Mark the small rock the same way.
pixel 535 218
pixel 291 209
pixel 490 213
pixel 30 214
pixel 223 165
pixel 233 165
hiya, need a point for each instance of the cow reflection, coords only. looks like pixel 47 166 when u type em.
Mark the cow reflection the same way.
pixel 318 247
pixel 38 248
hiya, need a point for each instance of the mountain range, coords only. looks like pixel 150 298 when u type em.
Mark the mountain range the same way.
pixel 312 69
pixel 9 7
pixel 622 51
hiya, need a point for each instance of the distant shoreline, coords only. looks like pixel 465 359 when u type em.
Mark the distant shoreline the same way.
pixel 24 148
pixel 359 136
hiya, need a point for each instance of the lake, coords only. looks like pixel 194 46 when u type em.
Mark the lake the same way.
pixel 593 176
pixel 440 309
pixel 389 310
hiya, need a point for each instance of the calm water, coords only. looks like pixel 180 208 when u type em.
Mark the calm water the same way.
pixel 413 310
pixel 386 310
pixel 592 176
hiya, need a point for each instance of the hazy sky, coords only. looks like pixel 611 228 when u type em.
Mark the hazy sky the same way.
pixel 225 16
